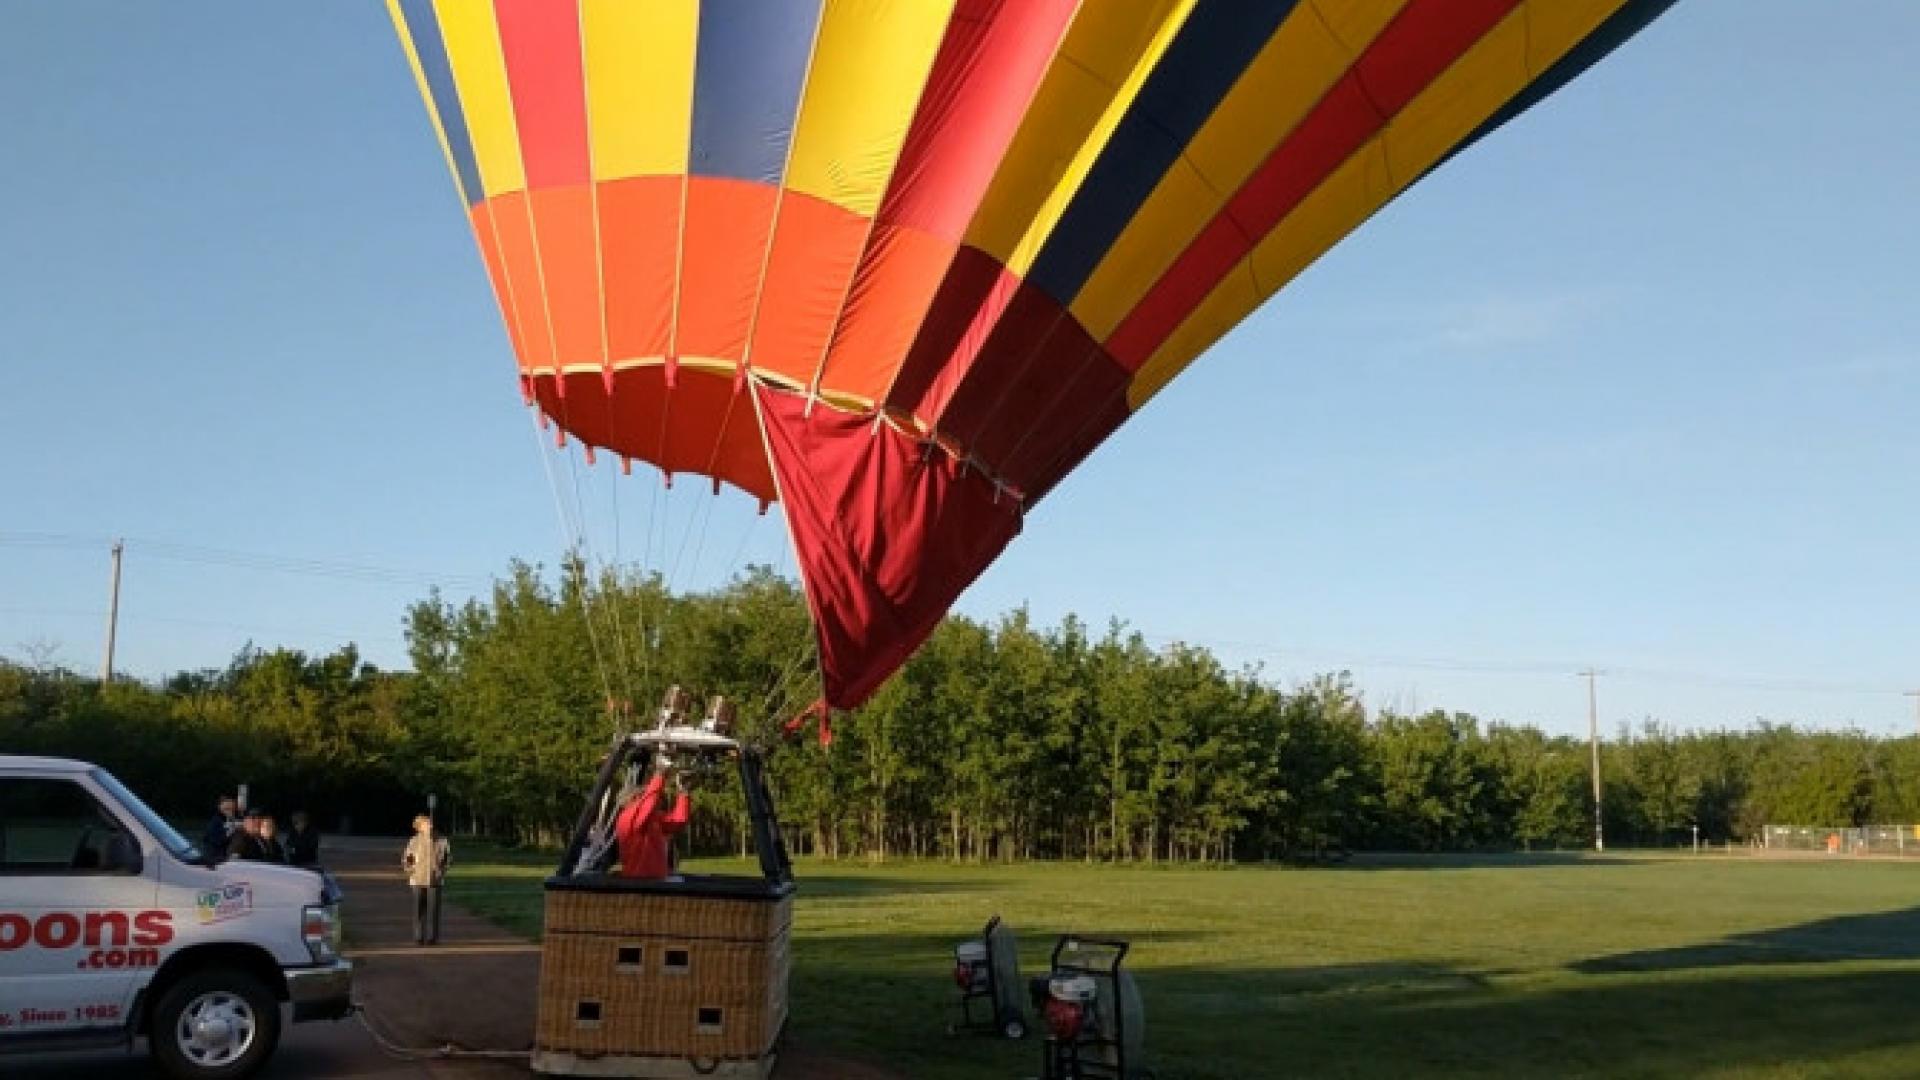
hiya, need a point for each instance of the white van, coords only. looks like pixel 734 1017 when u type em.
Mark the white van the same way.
pixel 113 926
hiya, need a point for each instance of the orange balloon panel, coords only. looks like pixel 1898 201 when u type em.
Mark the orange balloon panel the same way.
pixel 704 425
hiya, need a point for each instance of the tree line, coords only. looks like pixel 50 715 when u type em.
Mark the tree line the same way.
pixel 999 740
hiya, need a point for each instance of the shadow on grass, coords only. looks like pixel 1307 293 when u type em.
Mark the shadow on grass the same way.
pixel 826 883
pixel 1399 1020
pixel 1507 860
pixel 1885 935
pixel 886 998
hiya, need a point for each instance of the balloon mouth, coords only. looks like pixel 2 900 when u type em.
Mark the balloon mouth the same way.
pixel 701 425
pixel 588 403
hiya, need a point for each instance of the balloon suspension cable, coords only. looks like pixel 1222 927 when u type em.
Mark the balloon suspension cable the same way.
pixel 780 696
pixel 645 686
pixel 617 601
pixel 594 574
pixel 701 517
pixel 746 537
pixel 636 650
pixel 646 586
pixel 659 542
pixel 659 535
pixel 606 579
pixel 573 560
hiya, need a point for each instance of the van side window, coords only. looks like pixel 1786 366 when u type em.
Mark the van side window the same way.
pixel 50 826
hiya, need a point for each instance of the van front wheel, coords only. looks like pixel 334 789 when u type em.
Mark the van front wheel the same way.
pixel 219 1024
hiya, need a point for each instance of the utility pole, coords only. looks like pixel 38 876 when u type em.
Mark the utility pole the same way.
pixel 1915 695
pixel 1593 741
pixel 113 615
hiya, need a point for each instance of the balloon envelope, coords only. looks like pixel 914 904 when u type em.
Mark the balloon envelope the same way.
pixel 903 264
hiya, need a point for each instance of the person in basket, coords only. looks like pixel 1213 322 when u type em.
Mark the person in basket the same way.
pixel 646 826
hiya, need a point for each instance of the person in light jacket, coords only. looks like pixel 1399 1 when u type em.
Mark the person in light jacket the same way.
pixel 425 863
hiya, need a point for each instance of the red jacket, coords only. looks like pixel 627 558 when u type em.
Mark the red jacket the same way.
pixel 642 830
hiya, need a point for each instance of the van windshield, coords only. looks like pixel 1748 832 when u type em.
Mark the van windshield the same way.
pixel 178 846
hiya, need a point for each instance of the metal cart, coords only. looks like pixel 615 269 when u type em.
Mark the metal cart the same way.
pixel 1094 1019
pixel 988 968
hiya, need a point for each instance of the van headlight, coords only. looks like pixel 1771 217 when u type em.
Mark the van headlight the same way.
pixel 320 929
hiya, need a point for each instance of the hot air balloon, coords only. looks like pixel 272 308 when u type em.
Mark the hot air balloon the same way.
pixel 900 265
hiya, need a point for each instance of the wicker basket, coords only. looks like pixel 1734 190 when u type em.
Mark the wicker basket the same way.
pixel 670 914
pixel 646 983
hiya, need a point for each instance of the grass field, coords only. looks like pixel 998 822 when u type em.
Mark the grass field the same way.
pixel 1711 966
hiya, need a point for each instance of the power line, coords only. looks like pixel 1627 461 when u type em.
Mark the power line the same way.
pixel 249 560
pixel 1546 668
pixel 1749 682
pixel 211 624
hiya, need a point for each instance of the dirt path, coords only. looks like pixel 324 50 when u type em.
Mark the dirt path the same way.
pixel 477 989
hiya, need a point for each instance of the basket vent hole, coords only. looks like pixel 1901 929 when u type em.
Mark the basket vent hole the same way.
pixel 678 961
pixel 708 1021
pixel 628 958
pixel 587 1013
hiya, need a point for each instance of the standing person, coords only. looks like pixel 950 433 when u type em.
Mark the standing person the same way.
pixel 303 841
pixel 645 832
pixel 425 863
pixel 246 843
pixel 272 847
pixel 219 831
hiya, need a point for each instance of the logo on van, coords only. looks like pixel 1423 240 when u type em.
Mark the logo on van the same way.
pixel 226 902
pixel 92 929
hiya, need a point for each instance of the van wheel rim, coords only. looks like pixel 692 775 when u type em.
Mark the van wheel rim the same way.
pixel 217 1028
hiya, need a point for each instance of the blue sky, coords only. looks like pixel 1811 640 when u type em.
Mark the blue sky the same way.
pixel 1632 384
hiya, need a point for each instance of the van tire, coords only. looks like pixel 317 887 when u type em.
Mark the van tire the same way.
pixel 222 994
